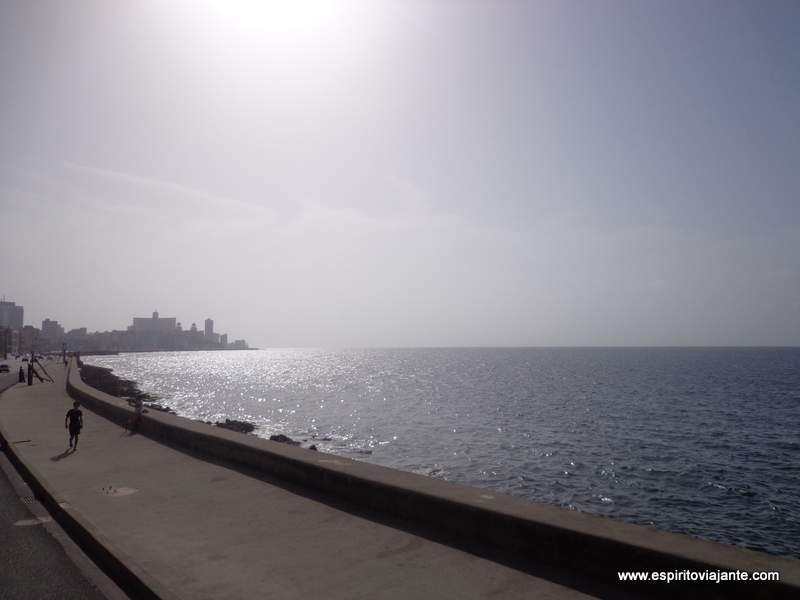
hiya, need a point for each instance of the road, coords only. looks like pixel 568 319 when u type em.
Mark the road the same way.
pixel 33 564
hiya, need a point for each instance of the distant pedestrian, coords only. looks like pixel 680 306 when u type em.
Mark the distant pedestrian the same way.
pixel 74 422
pixel 21 375
pixel 136 421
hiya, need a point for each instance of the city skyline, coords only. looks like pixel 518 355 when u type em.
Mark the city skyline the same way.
pixel 242 344
pixel 145 333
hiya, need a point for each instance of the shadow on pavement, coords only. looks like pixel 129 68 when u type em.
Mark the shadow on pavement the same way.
pixel 65 454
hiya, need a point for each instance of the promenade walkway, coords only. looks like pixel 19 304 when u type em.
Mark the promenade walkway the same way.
pixel 27 550
pixel 203 530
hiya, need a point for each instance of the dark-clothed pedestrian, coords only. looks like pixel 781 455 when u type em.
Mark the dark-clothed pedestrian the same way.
pixel 74 422
pixel 21 375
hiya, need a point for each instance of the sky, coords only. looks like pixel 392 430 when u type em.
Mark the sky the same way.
pixel 401 173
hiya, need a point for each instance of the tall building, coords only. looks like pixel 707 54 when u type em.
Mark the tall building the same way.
pixel 209 327
pixel 154 324
pixel 29 339
pixel 153 333
pixel 11 315
pixel 9 342
pixel 51 330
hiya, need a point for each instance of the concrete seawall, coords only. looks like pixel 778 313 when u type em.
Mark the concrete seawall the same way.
pixel 530 533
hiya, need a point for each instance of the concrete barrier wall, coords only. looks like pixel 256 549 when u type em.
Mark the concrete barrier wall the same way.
pixel 527 533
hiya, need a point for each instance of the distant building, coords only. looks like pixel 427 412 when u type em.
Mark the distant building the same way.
pixel 223 340
pixel 52 335
pixel 154 324
pixel 11 315
pixel 10 326
pixel 209 327
pixel 9 341
pixel 76 338
pixel 154 333
pixel 240 345
pixel 29 339
pixel 109 341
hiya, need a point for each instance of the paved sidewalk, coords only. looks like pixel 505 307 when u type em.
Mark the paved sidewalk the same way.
pixel 28 552
pixel 207 531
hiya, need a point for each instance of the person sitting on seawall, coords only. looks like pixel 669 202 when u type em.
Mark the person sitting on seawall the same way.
pixel 136 419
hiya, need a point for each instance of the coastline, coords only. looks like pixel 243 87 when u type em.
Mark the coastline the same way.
pixel 202 472
pixel 562 446
pixel 518 529
pixel 105 380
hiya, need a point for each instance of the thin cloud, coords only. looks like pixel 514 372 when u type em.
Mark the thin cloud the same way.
pixel 168 189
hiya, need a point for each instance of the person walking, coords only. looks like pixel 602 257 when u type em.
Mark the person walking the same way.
pixel 74 422
pixel 21 375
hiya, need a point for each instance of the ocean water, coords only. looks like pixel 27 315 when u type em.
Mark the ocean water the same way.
pixel 698 441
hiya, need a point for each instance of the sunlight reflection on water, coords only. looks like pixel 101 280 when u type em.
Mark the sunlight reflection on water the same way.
pixel 697 441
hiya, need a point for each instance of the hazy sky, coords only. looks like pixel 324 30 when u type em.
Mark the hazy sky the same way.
pixel 368 173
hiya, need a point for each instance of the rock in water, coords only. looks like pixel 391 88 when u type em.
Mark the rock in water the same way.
pixel 283 439
pixel 160 407
pixel 240 426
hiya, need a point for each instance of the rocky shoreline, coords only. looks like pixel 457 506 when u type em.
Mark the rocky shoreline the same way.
pixel 104 379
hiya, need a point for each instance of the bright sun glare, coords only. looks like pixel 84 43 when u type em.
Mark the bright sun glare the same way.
pixel 287 21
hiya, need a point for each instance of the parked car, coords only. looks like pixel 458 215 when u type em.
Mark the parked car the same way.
pixel 4 368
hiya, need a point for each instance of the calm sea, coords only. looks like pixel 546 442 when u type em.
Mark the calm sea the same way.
pixel 698 441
